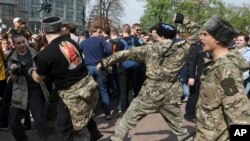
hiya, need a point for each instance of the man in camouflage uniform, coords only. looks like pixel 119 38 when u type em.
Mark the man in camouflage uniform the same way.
pixel 222 101
pixel 63 62
pixel 159 92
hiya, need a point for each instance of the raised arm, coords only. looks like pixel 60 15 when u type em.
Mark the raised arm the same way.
pixel 191 26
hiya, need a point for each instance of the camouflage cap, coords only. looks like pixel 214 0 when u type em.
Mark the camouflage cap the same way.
pixel 51 24
pixel 221 30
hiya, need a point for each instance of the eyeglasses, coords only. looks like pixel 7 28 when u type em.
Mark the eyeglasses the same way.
pixel 138 30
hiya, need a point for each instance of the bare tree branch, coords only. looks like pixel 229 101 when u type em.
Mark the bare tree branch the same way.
pixel 111 10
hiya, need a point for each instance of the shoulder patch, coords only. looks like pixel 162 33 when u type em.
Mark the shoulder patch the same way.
pixel 229 86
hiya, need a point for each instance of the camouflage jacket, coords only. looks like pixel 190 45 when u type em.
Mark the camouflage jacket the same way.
pixel 172 57
pixel 222 100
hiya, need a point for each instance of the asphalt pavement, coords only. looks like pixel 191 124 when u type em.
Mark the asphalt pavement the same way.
pixel 151 128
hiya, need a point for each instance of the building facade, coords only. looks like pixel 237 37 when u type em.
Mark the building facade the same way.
pixel 68 10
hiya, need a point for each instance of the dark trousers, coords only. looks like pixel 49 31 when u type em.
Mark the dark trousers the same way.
pixel 192 101
pixel 2 87
pixel 114 84
pixel 27 119
pixel 140 78
pixel 36 103
pixel 6 104
pixel 127 86
pixel 64 124
pixel 5 108
pixel 16 125
pixel 113 81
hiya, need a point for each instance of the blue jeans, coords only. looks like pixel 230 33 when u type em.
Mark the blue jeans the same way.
pixel 99 77
pixel 185 88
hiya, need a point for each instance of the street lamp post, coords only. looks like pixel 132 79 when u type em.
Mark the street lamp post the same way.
pixel 45 7
pixel 35 29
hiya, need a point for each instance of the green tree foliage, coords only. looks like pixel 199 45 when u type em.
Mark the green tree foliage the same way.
pixel 199 10
pixel 239 17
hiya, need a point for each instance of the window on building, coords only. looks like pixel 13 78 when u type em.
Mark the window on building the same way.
pixel 60 3
pixel 23 5
pixel 70 4
pixel 24 15
pixel 59 13
pixel 70 16
pixel 79 5
pixel 34 12
pixel 79 17
pixel 36 2
pixel 8 10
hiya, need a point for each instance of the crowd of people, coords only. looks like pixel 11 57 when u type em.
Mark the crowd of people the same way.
pixel 145 72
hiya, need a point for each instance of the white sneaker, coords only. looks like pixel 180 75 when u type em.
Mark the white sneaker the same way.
pixel 185 99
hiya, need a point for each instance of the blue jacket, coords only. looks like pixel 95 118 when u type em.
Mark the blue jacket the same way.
pixel 94 50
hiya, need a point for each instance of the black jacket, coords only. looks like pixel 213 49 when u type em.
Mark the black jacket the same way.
pixel 195 62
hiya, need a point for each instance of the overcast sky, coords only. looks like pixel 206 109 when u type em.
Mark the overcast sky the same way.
pixel 134 9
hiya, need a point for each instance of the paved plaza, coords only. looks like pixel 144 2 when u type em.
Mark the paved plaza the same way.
pixel 151 128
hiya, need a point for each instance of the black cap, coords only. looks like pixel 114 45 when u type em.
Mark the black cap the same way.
pixel 52 24
pixel 168 31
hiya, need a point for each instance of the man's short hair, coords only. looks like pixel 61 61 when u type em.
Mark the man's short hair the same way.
pixel 126 28
pixel 153 28
pixel 106 30
pixel 135 25
pixel 17 35
pixel 71 27
pixel 114 31
pixel 94 29
pixel 23 22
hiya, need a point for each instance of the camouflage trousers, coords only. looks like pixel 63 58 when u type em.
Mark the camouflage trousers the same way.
pixel 81 100
pixel 147 102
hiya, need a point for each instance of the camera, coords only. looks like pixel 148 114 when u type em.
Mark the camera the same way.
pixel 45 6
pixel 20 70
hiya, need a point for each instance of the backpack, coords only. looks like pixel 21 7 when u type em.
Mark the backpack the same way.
pixel 129 64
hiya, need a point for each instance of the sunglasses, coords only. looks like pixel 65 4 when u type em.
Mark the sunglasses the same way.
pixel 138 29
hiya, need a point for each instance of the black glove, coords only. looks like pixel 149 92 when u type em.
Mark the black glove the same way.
pixel 179 18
